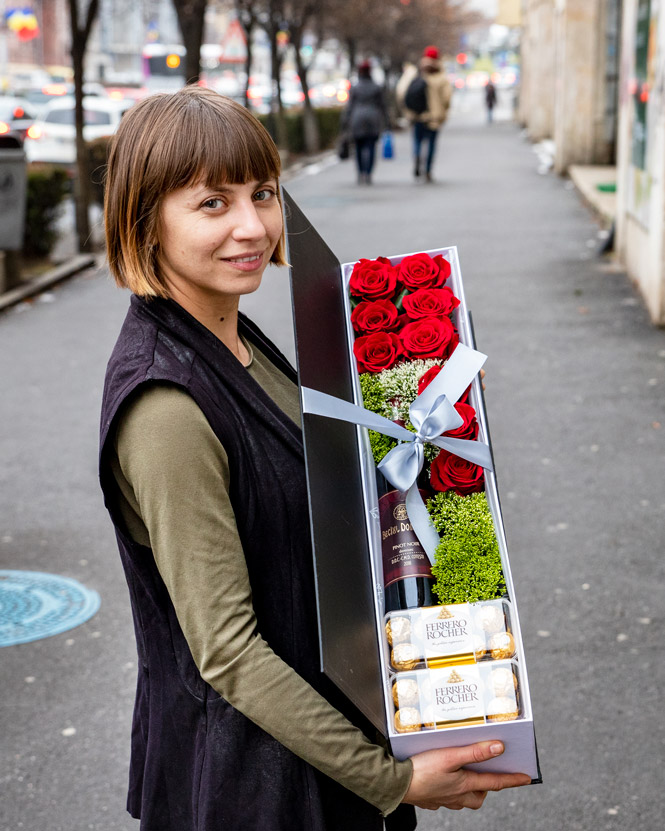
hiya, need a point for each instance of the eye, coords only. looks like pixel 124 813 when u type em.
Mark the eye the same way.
pixel 264 195
pixel 213 204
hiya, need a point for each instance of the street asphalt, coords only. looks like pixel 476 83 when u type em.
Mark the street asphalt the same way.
pixel 576 405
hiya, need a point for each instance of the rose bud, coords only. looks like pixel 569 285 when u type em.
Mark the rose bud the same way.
pixel 377 352
pixel 420 271
pixel 375 316
pixel 468 430
pixel 373 279
pixel 430 303
pixel 450 472
pixel 429 337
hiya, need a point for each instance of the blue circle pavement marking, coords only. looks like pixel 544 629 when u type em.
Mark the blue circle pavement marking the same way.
pixel 36 605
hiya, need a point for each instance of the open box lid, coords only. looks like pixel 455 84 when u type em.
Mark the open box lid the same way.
pixel 344 583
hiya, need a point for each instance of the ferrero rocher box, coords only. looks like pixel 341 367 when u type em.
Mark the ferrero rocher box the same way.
pixel 441 676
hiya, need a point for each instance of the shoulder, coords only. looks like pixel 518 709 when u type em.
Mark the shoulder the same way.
pixel 165 419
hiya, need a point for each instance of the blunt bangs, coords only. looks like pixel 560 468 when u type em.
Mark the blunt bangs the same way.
pixel 213 140
pixel 172 141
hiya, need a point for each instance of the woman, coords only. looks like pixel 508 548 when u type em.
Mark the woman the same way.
pixel 201 464
pixel 364 118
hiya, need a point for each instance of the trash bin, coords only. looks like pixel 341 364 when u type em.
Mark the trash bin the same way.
pixel 13 186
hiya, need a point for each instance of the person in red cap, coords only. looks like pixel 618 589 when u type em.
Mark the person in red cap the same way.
pixel 424 94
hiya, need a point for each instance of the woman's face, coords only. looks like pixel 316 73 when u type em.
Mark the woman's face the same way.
pixel 214 243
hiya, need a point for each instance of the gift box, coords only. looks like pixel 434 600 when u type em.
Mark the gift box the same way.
pixel 355 640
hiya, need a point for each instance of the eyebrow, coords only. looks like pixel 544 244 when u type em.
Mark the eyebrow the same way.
pixel 229 188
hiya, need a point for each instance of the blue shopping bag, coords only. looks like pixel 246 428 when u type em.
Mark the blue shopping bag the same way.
pixel 387 148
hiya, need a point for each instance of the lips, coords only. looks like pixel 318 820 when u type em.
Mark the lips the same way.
pixel 245 258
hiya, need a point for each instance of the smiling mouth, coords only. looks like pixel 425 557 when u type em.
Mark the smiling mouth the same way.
pixel 250 258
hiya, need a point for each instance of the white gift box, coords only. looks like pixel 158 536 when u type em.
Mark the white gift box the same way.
pixel 344 512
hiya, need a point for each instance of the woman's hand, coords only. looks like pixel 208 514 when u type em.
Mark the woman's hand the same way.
pixel 441 781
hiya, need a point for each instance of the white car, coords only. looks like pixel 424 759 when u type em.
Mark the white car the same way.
pixel 52 138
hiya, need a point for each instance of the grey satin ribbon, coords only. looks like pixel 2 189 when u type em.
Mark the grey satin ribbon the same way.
pixel 431 413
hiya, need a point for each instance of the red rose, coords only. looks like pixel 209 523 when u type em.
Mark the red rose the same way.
pixel 467 430
pixel 451 473
pixel 375 316
pixel 429 337
pixel 377 352
pixel 373 279
pixel 420 271
pixel 430 303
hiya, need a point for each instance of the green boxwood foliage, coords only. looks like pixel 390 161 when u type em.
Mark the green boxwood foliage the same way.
pixel 467 563
pixel 46 188
pixel 328 121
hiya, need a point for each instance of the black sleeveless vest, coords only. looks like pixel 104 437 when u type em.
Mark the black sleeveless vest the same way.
pixel 197 764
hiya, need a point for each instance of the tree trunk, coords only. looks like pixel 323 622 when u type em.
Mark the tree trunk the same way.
pixel 82 179
pixel 352 52
pixel 276 104
pixel 191 20
pixel 310 124
pixel 248 66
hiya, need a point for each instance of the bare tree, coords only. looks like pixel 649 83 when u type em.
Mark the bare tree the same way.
pixel 274 22
pixel 191 20
pixel 249 12
pixel 397 32
pixel 80 35
pixel 301 14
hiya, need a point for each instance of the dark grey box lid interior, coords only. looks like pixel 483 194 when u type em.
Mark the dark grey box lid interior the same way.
pixel 344 585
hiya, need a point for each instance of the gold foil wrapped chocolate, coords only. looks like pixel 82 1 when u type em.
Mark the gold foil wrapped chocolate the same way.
pixel 406 692
pixel 408 720
pixel 398 629
pixel 502 709
pixel 501 646
pixel 405 656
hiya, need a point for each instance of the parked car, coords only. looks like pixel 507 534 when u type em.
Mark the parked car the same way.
pixel 52 138
pixel 16 115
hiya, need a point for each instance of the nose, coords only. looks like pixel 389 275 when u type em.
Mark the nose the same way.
pixel 248 223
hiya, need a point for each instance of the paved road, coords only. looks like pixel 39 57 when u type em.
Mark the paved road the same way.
pixel 576 397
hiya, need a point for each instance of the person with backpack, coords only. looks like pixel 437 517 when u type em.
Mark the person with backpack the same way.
pixel 424 94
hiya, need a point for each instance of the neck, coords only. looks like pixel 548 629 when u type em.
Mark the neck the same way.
pixel 220 316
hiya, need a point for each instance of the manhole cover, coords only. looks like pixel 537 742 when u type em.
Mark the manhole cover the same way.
pixel 35 605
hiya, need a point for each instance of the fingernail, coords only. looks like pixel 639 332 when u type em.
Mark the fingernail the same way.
pixel 496 748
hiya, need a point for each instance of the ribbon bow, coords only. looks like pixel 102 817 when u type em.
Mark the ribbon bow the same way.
pixel 431 413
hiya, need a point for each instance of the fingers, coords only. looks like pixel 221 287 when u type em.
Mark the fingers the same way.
pixel 472 754
pixel 497 781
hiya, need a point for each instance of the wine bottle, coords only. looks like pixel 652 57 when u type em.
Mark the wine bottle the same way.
pixel 407 571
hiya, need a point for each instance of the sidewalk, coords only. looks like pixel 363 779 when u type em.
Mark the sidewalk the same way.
pixel 576 406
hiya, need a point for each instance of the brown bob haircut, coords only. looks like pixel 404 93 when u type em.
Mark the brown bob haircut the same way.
pixel 166 142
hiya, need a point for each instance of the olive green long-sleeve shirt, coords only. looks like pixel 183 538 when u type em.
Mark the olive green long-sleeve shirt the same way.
pixel 173 476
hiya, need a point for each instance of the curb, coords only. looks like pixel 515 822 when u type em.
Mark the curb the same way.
pixel 45 281
pixel 586 178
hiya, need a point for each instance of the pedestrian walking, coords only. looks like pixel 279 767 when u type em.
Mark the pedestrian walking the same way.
pixel 490 100
pixel 364 118
pixel 424 93
pixel 202 468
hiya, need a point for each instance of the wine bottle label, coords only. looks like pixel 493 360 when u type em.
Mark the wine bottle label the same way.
pixel 403 555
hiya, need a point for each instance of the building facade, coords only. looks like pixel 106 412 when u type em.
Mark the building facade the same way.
pixel 569 77
pixel 640 222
